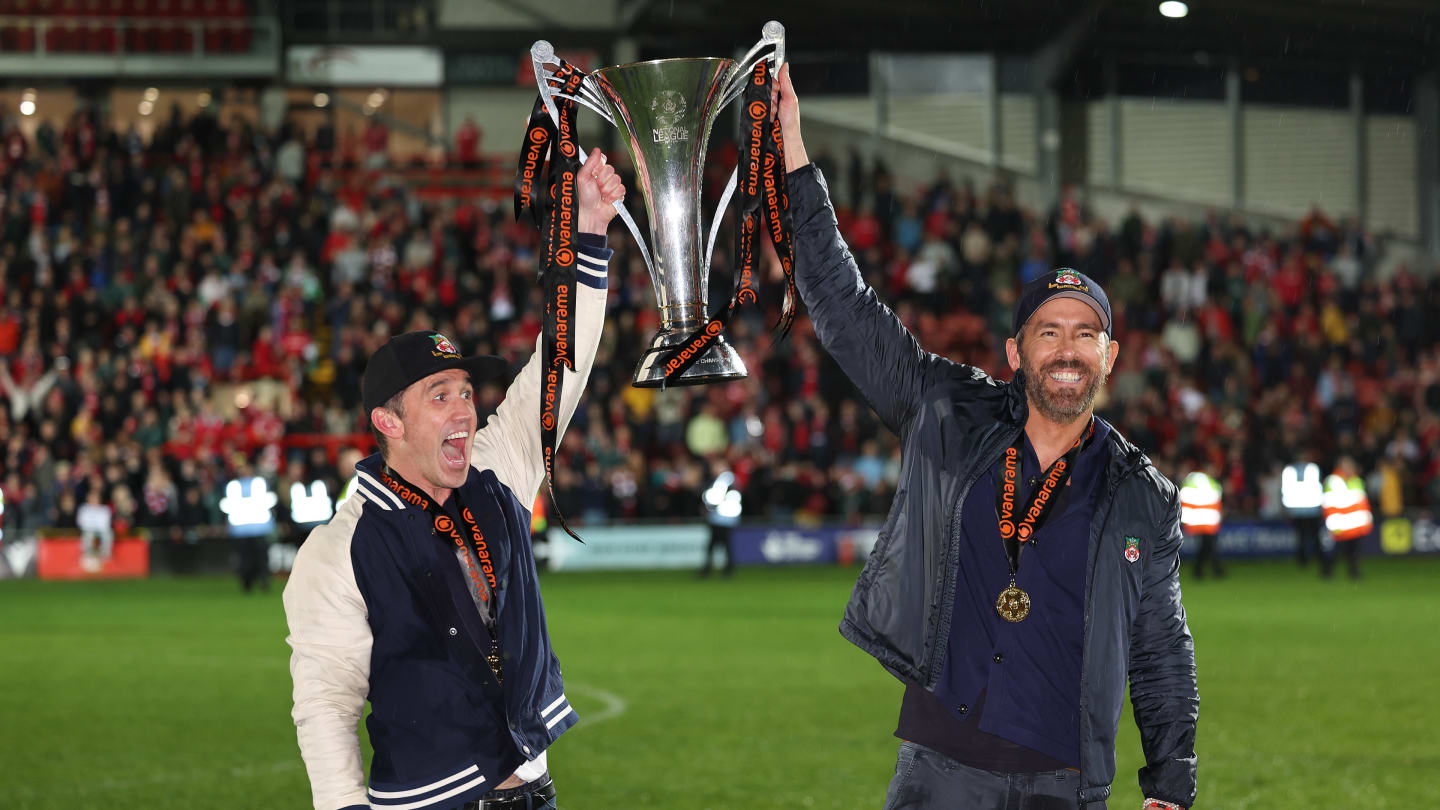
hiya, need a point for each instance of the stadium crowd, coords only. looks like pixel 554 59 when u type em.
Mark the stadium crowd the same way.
pixel 178 312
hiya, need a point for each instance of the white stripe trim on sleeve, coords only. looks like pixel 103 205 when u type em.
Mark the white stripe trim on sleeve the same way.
pixel 437 798
pixel 589 272
pixel 591 261
pixel 364 492
pixel 553 706
pixel 436 785
pixel 552 721
pixel 384 490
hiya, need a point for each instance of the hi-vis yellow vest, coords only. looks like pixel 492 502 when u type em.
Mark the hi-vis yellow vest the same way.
pixel 1347 510
pixel 1200 504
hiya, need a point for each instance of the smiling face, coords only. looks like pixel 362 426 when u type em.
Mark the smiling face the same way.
pixel 429 445
pixel 1066 357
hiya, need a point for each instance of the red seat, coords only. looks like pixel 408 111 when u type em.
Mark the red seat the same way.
pixel 166 39
pixel 64 37
pixel 100 37
pixel 140 38
pixel 184 39
pixel 240 36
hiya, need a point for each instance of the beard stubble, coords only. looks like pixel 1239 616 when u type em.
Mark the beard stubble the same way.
pixel 1061 407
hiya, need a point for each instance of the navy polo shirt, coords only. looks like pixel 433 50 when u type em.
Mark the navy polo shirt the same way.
pixel 1019 682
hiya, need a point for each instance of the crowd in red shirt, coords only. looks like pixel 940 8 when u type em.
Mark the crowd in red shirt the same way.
pixel 174 312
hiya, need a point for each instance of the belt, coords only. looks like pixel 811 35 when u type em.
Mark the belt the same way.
pixel 541 797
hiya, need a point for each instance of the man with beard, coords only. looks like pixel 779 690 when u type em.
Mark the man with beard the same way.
pixel 1029 564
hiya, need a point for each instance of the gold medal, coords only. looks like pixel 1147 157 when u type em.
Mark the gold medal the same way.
pixel 1013 604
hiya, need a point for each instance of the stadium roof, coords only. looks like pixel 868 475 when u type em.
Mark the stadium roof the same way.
pixel 1390 36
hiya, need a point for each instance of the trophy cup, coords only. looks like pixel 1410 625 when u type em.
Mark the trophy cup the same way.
pixel 665 110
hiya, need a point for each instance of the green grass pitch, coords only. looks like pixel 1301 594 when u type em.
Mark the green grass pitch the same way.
pixel 708 694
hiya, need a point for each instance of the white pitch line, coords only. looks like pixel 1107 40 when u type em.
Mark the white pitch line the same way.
pixel 614 705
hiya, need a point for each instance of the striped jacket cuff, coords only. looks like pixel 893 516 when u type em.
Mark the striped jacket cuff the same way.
pixel 592 261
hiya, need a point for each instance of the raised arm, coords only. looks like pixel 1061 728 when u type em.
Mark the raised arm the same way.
pixel 509 443
pixel 873 347
pixel 1163 689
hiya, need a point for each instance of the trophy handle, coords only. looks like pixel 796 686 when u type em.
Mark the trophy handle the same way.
pixel 542 54
pixel 773 33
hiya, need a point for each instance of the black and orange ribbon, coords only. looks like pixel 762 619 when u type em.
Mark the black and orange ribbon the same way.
pixel 1037 506
pixel 763 202
pixel 549 193
pixel 478 564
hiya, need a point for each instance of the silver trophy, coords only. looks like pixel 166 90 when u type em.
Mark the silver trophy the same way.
pixel 665 109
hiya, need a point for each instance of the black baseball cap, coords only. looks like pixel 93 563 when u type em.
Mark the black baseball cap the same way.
pixel 1063 283
pixel 414 356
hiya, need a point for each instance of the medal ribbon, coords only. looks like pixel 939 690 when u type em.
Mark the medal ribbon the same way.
pixel 477 558
pixel 1037 506
pixel 550 196
pixel 763 201
pixel 529 189
pixel 445 527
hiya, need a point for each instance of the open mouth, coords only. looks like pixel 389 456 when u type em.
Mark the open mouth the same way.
pixel 1067 377
pixel 453 448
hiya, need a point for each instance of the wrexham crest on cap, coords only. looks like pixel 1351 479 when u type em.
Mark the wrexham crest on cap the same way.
pixel 1068 278
pixel 443 344
pixel 1132 548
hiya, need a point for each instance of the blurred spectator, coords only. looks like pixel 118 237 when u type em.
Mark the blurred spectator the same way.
pixel 172 305
pixel 95 520
pixel 467 143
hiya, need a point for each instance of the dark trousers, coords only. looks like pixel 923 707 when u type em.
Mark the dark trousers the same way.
pixel 254 565
pixel 925 779
pixel 719 538
pixel 1209 553
pixel 1350 550
pixel 1307 541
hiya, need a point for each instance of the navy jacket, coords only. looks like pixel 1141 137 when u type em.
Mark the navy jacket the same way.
pixel 378 609
pixel 954 422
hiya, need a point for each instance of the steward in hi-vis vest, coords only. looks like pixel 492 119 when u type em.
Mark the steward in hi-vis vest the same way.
pixel 1347 512
pixel 1200 514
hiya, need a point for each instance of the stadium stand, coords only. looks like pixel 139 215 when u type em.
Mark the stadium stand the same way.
pixel 140 26
pixel 175 312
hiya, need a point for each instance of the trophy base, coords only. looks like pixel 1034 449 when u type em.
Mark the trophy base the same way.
pixel 720 362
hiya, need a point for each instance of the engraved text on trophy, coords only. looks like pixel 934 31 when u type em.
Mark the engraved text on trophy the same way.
pixel 665 110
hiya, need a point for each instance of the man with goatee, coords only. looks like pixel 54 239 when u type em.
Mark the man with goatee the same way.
pixel 1029 564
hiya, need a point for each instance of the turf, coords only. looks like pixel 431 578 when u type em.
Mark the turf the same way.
pixel 707 694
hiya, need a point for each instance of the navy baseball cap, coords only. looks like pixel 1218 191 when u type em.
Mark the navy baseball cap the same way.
pixel 1063 283
pixel 414 356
